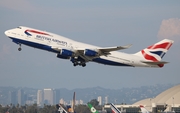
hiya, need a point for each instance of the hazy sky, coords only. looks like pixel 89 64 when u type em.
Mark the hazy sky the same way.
pixel 99 22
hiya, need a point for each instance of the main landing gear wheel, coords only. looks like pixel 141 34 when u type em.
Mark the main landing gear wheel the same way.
pixel 75 63
pixel 83 64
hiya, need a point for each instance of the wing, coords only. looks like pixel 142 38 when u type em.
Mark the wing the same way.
pixel 104 51
pixel 109 49
pixel 85 54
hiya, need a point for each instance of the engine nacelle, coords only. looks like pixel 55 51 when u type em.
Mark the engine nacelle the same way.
pixel 65 52
pixel 91 53
pixel 63 57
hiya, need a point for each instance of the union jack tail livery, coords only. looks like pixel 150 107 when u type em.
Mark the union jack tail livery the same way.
pixel 143 110
pixel 154 53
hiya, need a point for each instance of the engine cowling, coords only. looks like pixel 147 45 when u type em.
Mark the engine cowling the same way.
pixel 65 52
pixel 91 53
pixel 63 57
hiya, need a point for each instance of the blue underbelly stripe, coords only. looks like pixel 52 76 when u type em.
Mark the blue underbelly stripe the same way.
pixel 33 44
pixel 108 62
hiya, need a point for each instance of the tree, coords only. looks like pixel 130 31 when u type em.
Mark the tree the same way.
pixel 94 102
pixel 82 109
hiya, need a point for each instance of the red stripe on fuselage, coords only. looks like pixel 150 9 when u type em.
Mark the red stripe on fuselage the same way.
pixel 38 32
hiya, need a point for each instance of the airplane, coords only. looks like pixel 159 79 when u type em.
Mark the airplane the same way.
pixel 143 109
pixel 80 53
pixel 60 109
pixel 93 110
pixel 70 109
pixel 114 108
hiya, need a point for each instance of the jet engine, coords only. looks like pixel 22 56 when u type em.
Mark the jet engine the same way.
pixel 91 53
pixel 65 52
pixel 63 57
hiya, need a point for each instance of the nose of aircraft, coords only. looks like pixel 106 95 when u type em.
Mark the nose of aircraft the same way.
pixel 6 33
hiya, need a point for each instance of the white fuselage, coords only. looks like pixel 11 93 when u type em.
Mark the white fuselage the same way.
pixel 49 41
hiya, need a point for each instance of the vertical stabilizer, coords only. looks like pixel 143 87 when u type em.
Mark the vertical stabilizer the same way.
pixel 114 109
pixel 143 109
pixel 93 110
pixel 60 109
pixel 73 102
pixel 156 51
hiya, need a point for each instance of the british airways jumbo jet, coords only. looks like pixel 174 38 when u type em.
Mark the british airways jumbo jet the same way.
pixel 80 53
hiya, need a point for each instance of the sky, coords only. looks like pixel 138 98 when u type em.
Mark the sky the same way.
pixel 102 23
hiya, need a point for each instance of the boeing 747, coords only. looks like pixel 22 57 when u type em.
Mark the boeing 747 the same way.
pixel 80 53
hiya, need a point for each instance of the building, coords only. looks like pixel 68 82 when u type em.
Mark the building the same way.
pixel 49 96
pixel 166 102
pixel 80 101
pixel 57 96
pixel 63 102
pixel 13 97
pixel 20 97
pixel 40 98
pixel 99 99
pixel 105 99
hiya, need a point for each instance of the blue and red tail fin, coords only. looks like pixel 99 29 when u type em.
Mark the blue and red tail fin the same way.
pixel 155 52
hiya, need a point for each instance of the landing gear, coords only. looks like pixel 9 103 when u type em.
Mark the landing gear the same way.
pixel 19 49
pixel 83 64
pixel 75 63
pixel 78 61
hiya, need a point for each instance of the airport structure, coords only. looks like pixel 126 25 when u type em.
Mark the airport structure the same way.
pixel 167 102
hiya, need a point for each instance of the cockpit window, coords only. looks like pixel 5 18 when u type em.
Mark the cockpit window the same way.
pixel 19 27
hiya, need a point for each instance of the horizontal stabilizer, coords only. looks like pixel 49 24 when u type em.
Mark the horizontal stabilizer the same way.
pixel 155 63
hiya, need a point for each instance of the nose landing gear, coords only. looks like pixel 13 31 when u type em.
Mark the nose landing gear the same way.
pixel 19 49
